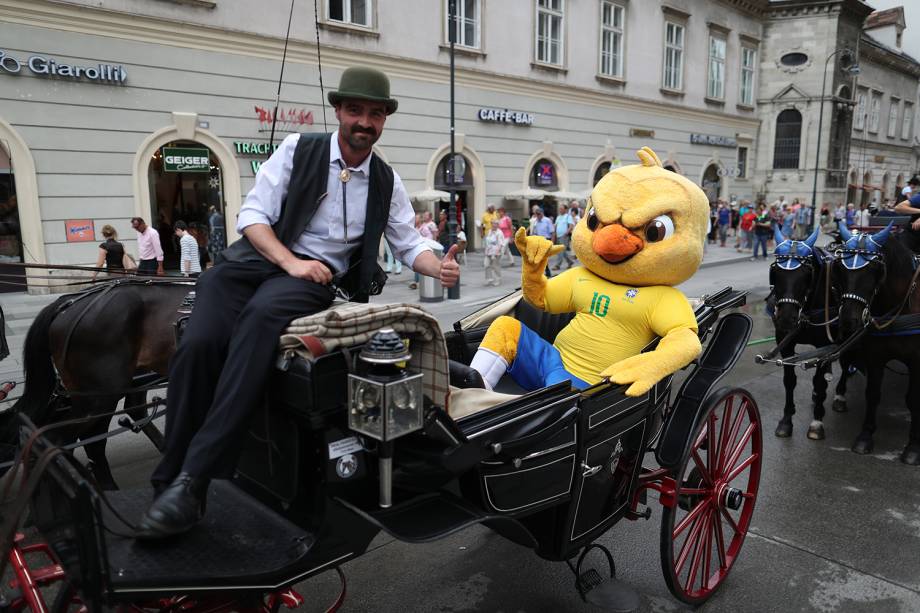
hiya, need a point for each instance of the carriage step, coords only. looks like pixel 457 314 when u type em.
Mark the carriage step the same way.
pixel 589 580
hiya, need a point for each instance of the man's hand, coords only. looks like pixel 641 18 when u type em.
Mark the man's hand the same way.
pixel 915 224
pixel 449 273
pixel 160 271
pixel 311 270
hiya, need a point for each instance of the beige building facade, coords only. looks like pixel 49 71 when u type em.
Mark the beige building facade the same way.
pixel 97 97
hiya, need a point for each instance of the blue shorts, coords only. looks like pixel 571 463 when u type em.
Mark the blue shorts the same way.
pixel 538 364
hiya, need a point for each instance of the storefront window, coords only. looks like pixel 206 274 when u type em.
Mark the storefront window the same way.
pixel 186 184
pixel 601 171
pixel 456 177
pixel 543 175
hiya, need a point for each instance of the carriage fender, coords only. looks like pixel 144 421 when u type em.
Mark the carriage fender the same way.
pixel 728 342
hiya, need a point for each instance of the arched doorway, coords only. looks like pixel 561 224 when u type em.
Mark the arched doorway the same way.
pixel 852 186
pixel 866 189
pixel 898 188
pixel 460 180
pixel 712 182
pixel 11 248
pixel 186 183
pixel 545 176
pixel 21 237
pixel 185 129
pixel 883 195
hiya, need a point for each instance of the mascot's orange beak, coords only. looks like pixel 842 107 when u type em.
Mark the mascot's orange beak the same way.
pixel 615 243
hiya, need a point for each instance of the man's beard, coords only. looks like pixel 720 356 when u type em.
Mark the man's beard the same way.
pixel 354 139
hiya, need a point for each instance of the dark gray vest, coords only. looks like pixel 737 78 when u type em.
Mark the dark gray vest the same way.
pixel 306 189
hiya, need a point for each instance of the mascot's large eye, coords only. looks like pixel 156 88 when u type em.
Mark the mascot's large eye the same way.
pixel 593 221
pixel 660 228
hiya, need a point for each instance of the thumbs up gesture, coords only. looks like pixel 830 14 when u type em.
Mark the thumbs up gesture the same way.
pixel 450 269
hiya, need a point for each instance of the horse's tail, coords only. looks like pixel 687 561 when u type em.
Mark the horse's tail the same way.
pixel 40 377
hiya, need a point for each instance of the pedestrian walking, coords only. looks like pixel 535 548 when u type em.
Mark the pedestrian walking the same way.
pixel 149 250
pixel 487 219
pixel 111 253
pixel 494 242
pixel 723 216
pixel 217 239
pixel 506 225
pixel 747 228
pixel 563 237
pixel 189 258
pixel 542 226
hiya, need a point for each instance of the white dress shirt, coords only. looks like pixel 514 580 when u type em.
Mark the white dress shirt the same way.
pixel 325 235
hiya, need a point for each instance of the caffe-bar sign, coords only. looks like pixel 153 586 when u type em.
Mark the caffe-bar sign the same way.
pixel 518 118
pixel 49 67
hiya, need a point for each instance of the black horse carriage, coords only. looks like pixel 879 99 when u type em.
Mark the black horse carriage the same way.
pixel 353 443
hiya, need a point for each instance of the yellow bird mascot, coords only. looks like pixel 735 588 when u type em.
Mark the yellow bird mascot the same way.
pixel 642 234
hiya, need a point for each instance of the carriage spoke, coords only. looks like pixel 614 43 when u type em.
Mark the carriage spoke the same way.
pixel 693 538
pixel 733 434
pixel 712 451
pixel 739 448
pixel 704 472
pixel 731 520
pixel 698 549
pixel 694 491
pixel 691 516
pixel 726 425
pixel 741 468
pixel 720 538
pixel 707 555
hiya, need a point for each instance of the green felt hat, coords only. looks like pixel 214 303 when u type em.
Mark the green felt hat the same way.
pixel 361 83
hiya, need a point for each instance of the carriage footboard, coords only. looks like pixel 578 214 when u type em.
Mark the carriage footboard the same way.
pixel 722 352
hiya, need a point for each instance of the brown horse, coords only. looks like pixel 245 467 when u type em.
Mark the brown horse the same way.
pixel 93 343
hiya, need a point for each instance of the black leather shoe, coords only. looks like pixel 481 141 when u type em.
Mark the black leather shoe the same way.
pixel 179 507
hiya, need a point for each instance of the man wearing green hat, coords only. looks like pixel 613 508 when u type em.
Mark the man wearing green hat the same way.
pixel 311 228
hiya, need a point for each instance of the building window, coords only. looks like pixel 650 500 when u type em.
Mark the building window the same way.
pixel 612 39
pixel 601 172
pixel 874 111
pixel 673 56
pixel 549 31
pixel 742 162
pixel 748 62
pixel 716 87
pixel 543 175
pixel 859 122
pixel 466 26
pixel 788 139
pixel 893 117
pixel 907 121
pixel 354 12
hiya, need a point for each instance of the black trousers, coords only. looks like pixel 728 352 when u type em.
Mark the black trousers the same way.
pixel 217 377
pixel 147 267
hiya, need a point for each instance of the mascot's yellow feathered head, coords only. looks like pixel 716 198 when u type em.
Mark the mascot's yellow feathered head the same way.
pixel 644 225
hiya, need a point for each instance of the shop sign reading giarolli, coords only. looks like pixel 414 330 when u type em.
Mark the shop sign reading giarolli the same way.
pixel 43 66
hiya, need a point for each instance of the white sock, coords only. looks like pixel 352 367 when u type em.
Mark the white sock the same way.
pixel 490 365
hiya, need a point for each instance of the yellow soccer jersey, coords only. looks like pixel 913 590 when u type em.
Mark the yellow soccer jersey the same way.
pixel 611 321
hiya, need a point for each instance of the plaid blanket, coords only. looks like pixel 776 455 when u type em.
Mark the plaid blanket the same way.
pixel 348 324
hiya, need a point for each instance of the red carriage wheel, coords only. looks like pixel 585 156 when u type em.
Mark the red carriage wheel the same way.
pixel 716 488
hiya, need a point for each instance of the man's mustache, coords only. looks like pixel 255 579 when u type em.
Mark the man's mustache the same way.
pixel 369 131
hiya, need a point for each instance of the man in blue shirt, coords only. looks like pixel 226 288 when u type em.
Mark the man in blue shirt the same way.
pixel 542 226
pixel 563 236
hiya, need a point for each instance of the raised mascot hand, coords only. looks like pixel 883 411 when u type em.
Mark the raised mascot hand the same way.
pixel 535 253
pixel 535 250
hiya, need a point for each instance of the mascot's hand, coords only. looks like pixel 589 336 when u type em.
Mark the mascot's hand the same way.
pixel 535 250
pixel 641 372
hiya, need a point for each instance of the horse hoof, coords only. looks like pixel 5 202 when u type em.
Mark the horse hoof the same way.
pixel 911 455
pixel 783 429
pixel 816 431
pixel 863 446
pixel 839 406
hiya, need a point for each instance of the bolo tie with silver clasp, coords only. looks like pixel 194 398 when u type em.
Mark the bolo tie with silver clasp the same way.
pixel 344 177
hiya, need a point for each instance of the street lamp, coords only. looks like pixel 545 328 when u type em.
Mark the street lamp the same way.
pixel 848 62
pixel 454 292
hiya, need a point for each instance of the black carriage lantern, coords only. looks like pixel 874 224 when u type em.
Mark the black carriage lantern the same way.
pixel 386 403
